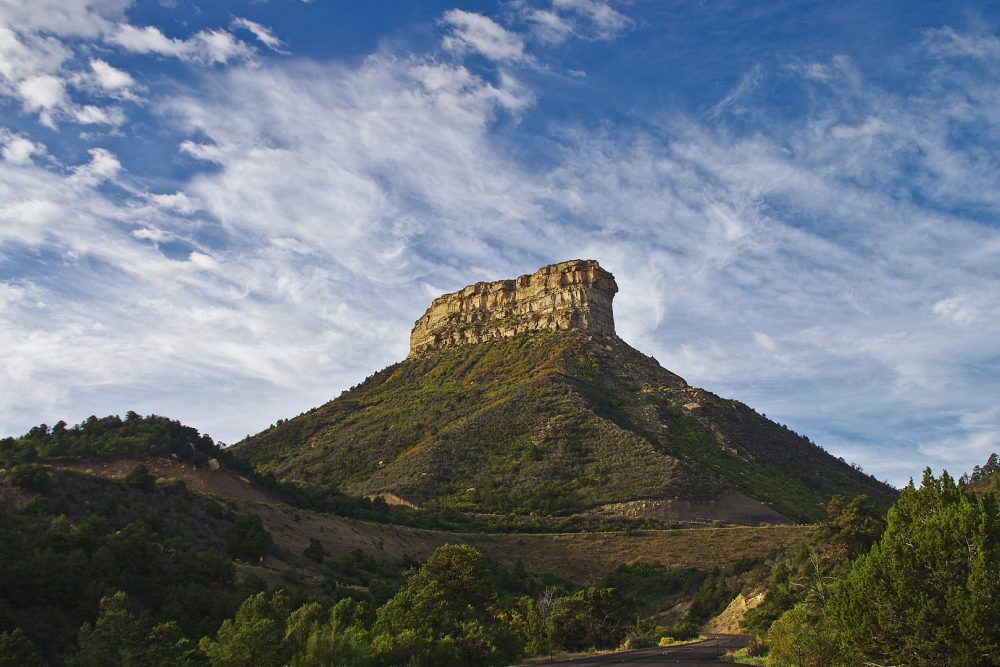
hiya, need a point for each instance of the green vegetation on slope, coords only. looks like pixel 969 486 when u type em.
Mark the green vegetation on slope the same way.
pixel 923 591
pixel 133 567
pixel 68 539
pixel 495 427
pixel 110 437
pixel 550 424
pixel 134 571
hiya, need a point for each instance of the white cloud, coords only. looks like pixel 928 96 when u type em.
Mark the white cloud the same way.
pixel 103 166
pixel 820 269
pixel 471 32
pixel 43 42
pixel 548 26
pixel 206 152
pixel 64 18
pixel 872 126
pixel 37 42
pixel 177 201
pixel 263 34
pixel 148 39
pixel 206 47
pixel 18 149
pixel 731 102
pixel 24 56
pixel 971 308
pixel 89 114
pixel 948 42
pixel 42 93
pixel 110 78
pixel 216 47
pixel 27 220
pixel 202 262
pixel 607 21
pixel 978 435
pixel 151 234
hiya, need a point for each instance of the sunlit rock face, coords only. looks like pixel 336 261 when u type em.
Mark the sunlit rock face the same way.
pixel 569 295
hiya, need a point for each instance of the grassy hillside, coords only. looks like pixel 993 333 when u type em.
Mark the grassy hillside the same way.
pixel 549 423
pixel 188 542
pixel 67 539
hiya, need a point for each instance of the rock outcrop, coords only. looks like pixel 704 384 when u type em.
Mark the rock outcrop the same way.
pixel 570 295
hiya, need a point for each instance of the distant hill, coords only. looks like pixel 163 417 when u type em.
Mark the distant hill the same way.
pixel 110 437
pixel 518 397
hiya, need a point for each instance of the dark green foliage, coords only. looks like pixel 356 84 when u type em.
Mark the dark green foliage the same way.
pixel 166 550
pixel 111 437
pixel 852 526
pixel 446 614
pixel 714 594
pixel 785 589
pixel 591 618
pixel 256 636
pixel 31 477
pixel 551 424
pixel 167 646
pixel 928 592
pixel 140 478
pixel 799 637
pixel 648 586
pixel 923 592
pixel 986 478
pixel 248 540
pixel 122 637
pixel 16 650
pixel 330 499
pixel 382 577
pixel 315 551
pixel 115 639
pixel 989 469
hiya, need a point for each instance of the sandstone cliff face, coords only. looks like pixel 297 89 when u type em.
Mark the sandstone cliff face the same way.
pixel 570 295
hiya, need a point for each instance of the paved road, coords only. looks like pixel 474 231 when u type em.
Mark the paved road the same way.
pixel 702 653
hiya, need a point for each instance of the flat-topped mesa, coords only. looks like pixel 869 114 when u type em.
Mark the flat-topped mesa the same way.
pixel 570 295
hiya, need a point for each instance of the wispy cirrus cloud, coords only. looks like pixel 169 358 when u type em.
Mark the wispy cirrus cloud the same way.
pixel 471 32
pixel 835 268
pixel 556 21
pixel 43 48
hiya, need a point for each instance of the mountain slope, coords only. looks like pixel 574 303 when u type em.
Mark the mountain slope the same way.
pixel 552 423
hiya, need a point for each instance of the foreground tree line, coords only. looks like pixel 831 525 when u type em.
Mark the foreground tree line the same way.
pixel 921 587
pixel 447 613
pixel 143 571
pixel 918 587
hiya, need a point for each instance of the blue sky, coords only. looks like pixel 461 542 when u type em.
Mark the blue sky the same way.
pixel 229 212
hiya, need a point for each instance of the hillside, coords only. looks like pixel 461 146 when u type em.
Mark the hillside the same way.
pixel 580 558
pixel 187 542
pixel 557 422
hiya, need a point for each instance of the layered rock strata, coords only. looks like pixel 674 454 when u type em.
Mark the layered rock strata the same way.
pixel 570 295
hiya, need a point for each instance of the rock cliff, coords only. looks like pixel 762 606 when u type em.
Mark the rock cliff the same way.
pixel 570 295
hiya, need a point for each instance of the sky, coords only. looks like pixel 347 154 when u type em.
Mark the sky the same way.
pixel 230 212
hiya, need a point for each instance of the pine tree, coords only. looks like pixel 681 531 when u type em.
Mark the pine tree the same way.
pixel 928 592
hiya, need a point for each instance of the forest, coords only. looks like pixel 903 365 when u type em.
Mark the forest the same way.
pixel 142 570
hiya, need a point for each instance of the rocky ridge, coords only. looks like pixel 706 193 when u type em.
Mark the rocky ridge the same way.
pixel 576 294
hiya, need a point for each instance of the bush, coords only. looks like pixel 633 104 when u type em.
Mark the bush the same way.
pixel 140 478
pixel 30 477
